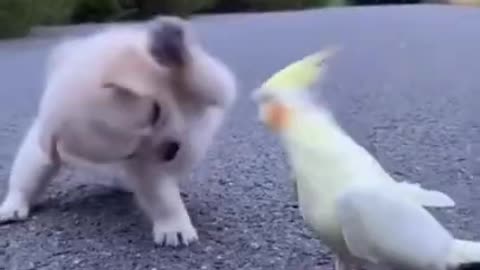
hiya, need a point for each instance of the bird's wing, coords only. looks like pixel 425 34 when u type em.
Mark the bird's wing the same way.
pixel 413 191
pixel 383 227
pixel 423 196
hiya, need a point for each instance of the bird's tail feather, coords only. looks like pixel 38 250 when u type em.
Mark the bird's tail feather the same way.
pixel 464 255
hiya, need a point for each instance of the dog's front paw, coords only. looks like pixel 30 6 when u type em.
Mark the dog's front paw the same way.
pixel 174 232
pixel 13 210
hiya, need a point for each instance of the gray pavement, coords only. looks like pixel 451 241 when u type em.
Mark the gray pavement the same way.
pixel 406 86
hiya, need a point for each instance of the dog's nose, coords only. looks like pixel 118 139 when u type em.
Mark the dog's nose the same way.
pixel 169 150
pixel 168 43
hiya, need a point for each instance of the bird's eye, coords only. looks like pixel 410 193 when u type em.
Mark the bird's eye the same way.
pixel 155 113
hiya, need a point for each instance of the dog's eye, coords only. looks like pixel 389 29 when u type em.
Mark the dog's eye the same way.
pixel 155 114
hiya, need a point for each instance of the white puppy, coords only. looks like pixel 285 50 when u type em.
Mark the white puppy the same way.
pixel 146 98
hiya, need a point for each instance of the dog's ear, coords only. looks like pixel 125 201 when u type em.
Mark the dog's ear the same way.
pixel 208 79
pixel 169 41
pixel 202 76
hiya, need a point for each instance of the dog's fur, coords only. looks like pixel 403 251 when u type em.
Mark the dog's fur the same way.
pixel 147 98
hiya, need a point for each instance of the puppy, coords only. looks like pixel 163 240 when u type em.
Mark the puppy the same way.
pixel 147 99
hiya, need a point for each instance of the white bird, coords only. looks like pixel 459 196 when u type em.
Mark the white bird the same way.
pixel 345 196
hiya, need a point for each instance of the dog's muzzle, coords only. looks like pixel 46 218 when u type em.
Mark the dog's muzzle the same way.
pixel 168 150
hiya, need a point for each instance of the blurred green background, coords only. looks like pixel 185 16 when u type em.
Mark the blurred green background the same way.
pixel 18 16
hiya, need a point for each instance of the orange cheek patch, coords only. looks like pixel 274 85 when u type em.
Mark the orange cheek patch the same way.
pixel 277 116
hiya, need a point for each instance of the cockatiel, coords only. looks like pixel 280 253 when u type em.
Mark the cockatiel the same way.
pixel 345 196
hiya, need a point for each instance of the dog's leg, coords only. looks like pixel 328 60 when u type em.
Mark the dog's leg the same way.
pixel 172 220
pixel 160 198
pixel 31 171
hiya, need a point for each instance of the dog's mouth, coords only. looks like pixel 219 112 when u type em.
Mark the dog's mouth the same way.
pixel 130 156
pixel 168 150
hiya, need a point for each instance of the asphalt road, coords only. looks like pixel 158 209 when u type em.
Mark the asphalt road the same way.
pixel 406 86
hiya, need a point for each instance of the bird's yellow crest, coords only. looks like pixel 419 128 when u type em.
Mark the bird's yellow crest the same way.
pixel 296 77
pixel 301 74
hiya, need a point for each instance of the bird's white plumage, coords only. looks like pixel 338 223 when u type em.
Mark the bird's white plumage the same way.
pixel 354 206
pixel 386 228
